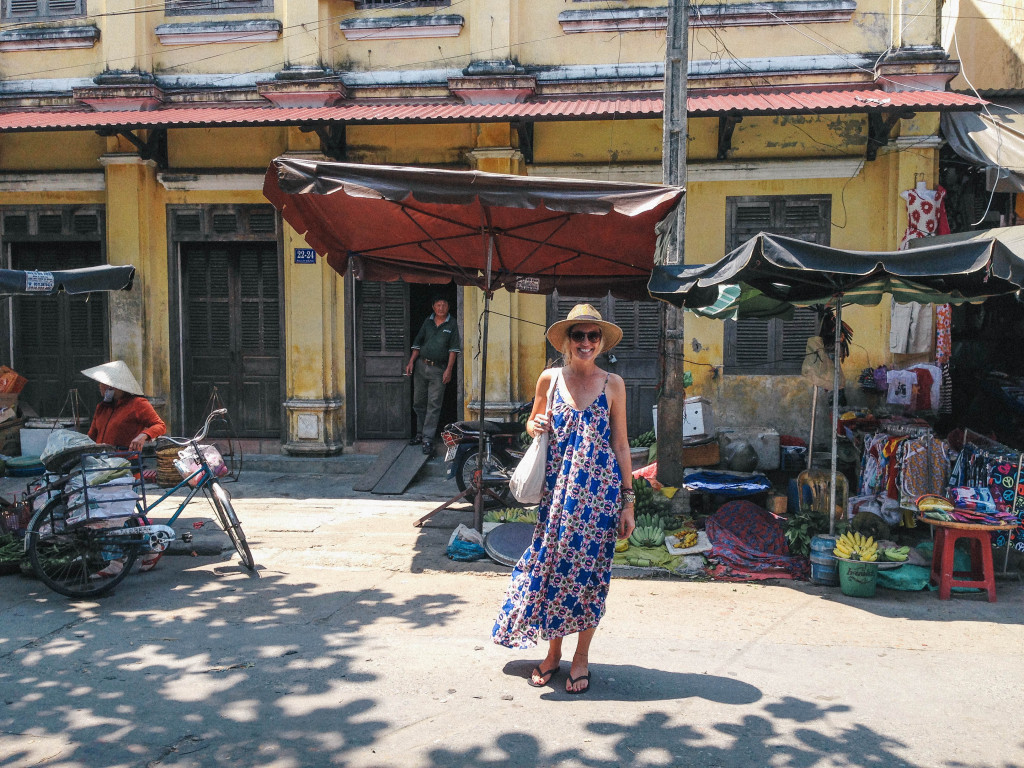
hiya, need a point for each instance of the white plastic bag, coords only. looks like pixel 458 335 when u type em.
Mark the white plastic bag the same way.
pixel 466 534
pixel 527 481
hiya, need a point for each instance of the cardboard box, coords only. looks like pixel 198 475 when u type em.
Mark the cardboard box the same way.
pixel 10 381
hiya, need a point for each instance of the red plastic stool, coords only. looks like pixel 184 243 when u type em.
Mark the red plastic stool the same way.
pixel 982 573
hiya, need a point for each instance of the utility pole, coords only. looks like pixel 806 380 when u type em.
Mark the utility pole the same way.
pixel 673 164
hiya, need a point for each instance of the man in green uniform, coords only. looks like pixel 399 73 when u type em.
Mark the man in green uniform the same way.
pixel 431 365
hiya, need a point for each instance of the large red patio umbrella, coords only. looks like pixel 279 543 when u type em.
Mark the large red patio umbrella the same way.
pixel 422 225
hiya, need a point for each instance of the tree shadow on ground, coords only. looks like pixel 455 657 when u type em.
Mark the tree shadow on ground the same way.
pixel 203 666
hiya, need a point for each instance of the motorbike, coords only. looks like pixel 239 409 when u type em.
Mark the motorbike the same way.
pixel 504 445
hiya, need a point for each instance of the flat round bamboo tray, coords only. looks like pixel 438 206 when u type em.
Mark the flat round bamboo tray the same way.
pixel 968 526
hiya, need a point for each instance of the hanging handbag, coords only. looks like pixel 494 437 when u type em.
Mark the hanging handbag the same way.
pixel 527 481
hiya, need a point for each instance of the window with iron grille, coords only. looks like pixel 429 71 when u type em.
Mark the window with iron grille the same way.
pixel 364 5
pixel 758 346
pixel 42 9
pixel 194 7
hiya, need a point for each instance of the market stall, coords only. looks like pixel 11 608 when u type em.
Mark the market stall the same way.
pixel 529 234
pixel 769 275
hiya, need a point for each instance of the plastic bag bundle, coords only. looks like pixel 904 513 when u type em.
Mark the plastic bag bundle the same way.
pixel 466 544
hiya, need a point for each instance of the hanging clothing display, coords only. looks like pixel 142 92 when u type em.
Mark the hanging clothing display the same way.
pixel 911 330
pixel 901 387
pixel 987 484
pixel 943 351
pixel 926 213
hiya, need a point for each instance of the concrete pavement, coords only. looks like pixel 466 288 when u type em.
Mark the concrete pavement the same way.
pixel 358 643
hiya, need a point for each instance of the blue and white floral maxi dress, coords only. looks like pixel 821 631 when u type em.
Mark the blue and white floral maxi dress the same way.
pixel 560 584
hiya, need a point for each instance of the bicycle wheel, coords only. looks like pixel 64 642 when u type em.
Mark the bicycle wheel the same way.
pixel 70 560
pixel 229 522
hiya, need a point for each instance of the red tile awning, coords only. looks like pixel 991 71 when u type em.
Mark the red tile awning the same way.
pixel 700 104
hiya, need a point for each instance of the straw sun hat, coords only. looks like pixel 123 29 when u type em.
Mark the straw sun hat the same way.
pixel 116 375
pixel 584 314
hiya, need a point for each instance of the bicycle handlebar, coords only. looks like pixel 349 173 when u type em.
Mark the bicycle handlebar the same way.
pixel 202 433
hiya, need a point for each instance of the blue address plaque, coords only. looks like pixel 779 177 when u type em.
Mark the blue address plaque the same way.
pixel 305 256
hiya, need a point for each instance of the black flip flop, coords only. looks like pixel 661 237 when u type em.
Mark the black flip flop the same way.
pixel 574 680
pixel 549 674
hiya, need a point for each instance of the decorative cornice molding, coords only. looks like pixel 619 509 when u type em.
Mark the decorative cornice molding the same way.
pixel 49 38
pixel 400 27
pixel 236 181
pixel 738 170
pixel 124 158
pixel 192 33
pixel 738 15
pixel 904 143
pixel 85 181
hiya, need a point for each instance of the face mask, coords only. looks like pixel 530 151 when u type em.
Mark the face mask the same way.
pixel 108 396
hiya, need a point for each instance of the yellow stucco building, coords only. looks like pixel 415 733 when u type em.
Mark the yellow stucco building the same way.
pixel 141 133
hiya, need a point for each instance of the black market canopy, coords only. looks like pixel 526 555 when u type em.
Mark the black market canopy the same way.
pixel 16 282
pixel 770 274
pixel 422 225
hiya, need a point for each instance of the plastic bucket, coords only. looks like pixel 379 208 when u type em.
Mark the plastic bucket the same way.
pixel 858 579
pixel 823 562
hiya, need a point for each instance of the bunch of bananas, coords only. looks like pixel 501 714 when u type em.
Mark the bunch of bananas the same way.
pixel 649 520
pixel 687 540
pixel 649 536
pixel 896 554
pixel 511 515
pixel 856 546
pixel 622 545
pixel 646 440
pixel 644 497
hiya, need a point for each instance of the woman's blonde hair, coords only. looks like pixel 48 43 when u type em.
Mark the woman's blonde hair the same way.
pixel 567 346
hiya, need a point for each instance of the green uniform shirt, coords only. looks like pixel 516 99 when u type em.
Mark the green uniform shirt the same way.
pixel 435 341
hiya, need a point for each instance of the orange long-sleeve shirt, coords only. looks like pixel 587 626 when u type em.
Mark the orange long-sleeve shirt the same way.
pixel 119 422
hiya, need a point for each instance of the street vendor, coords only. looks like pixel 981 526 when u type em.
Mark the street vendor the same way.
pixel 124 418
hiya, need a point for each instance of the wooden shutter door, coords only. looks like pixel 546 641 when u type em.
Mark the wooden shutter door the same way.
pixel 232 334
pixel 383 393
pixel 56 337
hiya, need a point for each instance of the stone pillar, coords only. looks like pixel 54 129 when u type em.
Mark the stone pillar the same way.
pixel 515 350
pixel 303 32
pixel 315 334
pixel 136 235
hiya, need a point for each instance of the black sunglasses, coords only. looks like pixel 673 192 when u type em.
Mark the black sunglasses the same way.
pixel 592 336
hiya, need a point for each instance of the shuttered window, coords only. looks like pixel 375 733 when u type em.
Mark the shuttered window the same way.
pixel 775 346
pixel 186 7
pixel 383 322
pixel 42 9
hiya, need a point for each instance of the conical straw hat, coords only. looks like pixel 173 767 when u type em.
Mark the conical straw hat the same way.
pixel 116 375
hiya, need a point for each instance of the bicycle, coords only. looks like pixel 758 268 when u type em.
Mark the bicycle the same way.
pixel 68 543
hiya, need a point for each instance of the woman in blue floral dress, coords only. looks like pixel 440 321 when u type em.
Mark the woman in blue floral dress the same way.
pixel 560 584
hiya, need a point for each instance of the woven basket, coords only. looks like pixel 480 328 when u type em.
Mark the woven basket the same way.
pixel 701 455
pixel 167 475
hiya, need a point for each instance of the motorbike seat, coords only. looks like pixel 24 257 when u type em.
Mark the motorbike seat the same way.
pixel 474 426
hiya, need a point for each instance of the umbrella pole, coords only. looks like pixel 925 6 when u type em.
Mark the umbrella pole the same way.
pixel 478 499
pixel 835 419
pixel 810 440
